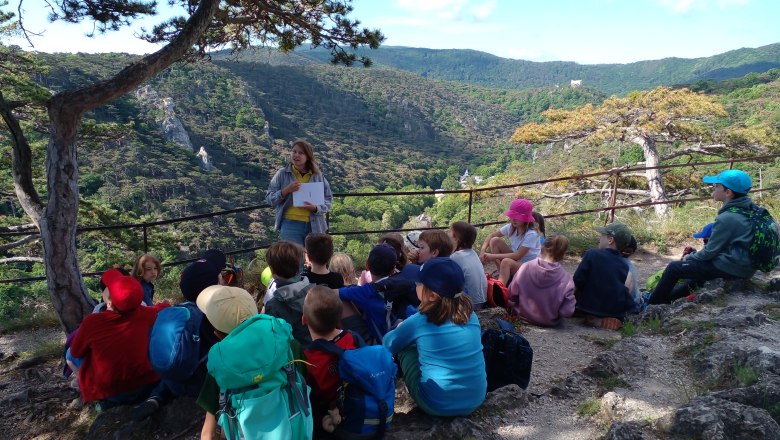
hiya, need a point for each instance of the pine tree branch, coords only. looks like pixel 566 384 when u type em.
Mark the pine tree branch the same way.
pixel 17 243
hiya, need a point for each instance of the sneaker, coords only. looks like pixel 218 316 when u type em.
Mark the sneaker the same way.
pixel 611 323
pixel 145 409
pixel 691 297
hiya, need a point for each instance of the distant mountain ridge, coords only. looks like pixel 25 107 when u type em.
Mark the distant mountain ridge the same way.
pixel 492 71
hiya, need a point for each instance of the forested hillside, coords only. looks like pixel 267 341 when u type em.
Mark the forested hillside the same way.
pixel 373 129
pixel 492 71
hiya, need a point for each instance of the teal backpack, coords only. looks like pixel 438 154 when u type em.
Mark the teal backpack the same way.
pixel 765 245
pixel 262 394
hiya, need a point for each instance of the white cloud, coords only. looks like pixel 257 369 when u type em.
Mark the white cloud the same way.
pixel 484 10
pixel 449 10
pixel 683 6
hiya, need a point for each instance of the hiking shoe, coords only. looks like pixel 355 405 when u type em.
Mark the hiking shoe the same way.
pixel 611 323
pixel 691 297
pixel 145 409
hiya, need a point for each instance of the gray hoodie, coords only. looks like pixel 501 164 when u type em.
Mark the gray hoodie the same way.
pixel 287 303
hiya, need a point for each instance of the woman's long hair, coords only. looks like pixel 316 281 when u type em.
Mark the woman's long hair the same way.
pixel 311 161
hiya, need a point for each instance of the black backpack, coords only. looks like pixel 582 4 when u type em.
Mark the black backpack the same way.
pixel 508 357
pixel 764 247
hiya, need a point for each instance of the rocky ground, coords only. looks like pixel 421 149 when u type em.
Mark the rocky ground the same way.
pixel 707 369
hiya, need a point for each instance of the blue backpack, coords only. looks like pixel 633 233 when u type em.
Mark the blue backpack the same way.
pixel 366 399
pixel 174 342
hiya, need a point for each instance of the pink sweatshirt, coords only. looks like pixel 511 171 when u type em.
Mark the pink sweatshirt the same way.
pixel 542 292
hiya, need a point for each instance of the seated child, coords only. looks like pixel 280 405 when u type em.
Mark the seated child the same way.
pixel 440 348
pixel 146 269
pixel 319 251
pixel 600 280
pixel 195 278
pixel 463 236
pixel 524 244
pixel 342 264
pixel 371 299
pixel 321 313
pixel 539 219
pixel 542 292
pixel 291 287
pixel 225 309
pixel 726 253
pixel 394 240
pixel 431 243
pixel 114 345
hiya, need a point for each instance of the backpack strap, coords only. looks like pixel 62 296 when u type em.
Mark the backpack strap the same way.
pixel 327 346
pixel 381 288
pixel 295 390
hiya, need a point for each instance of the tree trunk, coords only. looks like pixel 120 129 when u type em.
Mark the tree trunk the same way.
pixel 58 223
pixel 654 178
pixel 58 220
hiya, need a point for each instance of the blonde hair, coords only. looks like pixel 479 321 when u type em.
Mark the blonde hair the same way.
pixel 342 264
pixel 439 309
pixel 311 161
pixel 138 266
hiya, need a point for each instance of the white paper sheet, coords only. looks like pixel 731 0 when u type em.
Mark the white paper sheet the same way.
pixel 312 192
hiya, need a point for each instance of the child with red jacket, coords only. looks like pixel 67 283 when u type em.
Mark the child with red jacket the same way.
pixel 321 313
pixel 114 345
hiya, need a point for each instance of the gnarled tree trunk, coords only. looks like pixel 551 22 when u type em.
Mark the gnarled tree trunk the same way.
pixel 654 178
pixel 57 220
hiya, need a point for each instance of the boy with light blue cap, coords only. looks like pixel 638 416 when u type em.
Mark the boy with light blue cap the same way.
pixel 726 253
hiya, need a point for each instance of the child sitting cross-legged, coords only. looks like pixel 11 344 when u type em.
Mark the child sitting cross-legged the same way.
pixel 600 280
pixel 542 292
pixel 321 313
pixel 524 242
pixel 115 368
pixel 440 348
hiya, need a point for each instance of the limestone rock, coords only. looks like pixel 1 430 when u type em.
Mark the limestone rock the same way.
pixel 739 316
pixel 627 431
pixel 712 418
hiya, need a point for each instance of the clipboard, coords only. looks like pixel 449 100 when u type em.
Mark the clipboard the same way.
pixel 312 192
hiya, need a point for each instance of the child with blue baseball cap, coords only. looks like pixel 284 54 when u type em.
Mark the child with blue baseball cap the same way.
pixel 725 254
pixel 440 347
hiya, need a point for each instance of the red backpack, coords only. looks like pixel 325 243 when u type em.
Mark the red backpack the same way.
pixel 497 294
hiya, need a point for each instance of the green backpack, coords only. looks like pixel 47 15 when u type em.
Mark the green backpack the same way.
pixel 262 395
pixel 765 244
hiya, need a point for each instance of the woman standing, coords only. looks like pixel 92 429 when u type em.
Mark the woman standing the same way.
pixel 294 223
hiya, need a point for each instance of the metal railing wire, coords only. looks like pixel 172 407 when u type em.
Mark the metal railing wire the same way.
pixel 613 172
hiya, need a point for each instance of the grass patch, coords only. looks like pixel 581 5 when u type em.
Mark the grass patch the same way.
pixel 745 374
pixel 628 329
pixel 42 317
pixel 589 408
pixel 45 349
pixel 772 311
pixel 610 383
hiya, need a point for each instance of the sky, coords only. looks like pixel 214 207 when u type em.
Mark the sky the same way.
pixel 584 31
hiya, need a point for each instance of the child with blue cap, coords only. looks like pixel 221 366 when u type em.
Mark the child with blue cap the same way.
pixel 440 347
pixel 725 255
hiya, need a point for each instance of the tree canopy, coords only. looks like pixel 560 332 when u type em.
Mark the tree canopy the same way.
pixel 677 121
pixel 203 25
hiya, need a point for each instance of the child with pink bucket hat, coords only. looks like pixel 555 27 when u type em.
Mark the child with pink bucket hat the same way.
pixel 524 244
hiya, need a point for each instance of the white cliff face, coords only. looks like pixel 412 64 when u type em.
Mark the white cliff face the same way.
pixel 205 162
pixel 170 124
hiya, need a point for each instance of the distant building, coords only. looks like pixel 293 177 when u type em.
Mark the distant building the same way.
pixel 464 179
pixel 576 83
